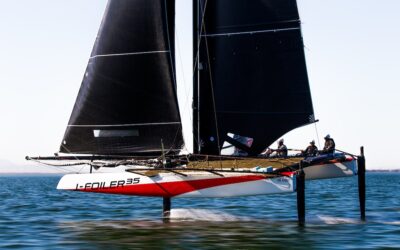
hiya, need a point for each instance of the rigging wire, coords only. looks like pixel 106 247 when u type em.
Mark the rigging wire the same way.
pixel 211 85
pixel 316 132
pixel 58 167
pixel 196 127
pixel 212 90
pixel 71 154
pixel 199 35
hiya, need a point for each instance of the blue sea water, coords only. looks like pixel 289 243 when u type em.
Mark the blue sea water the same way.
pixel 34 215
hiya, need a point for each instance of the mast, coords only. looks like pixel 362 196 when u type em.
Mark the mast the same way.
pixel 196 82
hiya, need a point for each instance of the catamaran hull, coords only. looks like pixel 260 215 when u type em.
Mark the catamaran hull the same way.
pixel 331 170
pixel 175 185
pixel 200 185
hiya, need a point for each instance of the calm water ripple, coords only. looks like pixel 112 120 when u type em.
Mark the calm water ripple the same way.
pixel 34 215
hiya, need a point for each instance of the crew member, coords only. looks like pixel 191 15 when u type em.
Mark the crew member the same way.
pixel 311 150
pixel 282 150
pixel 329 147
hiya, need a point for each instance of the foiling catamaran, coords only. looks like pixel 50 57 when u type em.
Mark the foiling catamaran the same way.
pixel 250 87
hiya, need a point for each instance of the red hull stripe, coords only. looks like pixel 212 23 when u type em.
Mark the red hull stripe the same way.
pixel 170 189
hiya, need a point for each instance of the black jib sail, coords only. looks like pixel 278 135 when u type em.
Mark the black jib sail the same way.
pixel 253 84
pixel 127 102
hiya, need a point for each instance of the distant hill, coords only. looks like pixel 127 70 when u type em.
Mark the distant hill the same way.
pixel 385 170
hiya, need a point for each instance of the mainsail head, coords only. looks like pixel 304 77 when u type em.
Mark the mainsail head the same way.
pixel 127 102
pixel 253 84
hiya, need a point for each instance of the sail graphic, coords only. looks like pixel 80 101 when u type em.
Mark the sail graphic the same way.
pixel 127 102
pixel 253 84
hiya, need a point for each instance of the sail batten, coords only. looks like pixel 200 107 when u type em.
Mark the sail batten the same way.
pixel 127 102
pixel 248 32
pixel 126 125
pixel 131 54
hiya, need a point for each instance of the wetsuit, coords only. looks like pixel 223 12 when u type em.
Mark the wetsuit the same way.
pixel 329 147
pixel 311 150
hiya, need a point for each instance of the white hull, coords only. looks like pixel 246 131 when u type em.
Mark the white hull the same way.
pixel 332 170
pixel 197 184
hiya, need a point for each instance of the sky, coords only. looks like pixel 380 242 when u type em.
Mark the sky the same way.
pixel 352 53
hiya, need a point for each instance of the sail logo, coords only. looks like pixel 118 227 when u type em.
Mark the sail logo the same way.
pixel 107 185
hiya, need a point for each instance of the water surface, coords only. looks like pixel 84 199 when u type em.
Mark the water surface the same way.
pixel 33 214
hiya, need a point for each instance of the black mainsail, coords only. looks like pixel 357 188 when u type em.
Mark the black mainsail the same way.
pixel 127 102
pixel 253 85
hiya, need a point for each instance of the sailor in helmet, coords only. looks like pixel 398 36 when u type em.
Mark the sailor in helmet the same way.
pixel 311 150
pixel 329 147
pixel 282 150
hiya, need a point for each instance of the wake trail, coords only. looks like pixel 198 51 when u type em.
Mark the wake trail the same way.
pixel 192 214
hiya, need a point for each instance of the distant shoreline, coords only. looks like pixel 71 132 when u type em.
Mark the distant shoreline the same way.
pixel 384 170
